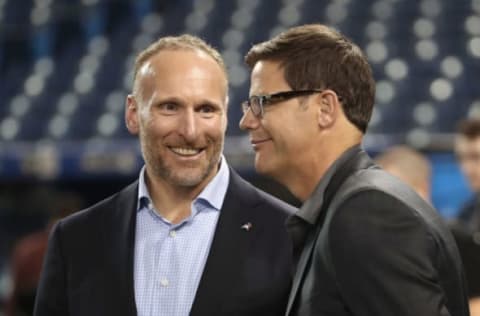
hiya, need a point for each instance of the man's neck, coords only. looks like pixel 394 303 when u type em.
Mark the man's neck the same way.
pixel 303 179
pixel 173 202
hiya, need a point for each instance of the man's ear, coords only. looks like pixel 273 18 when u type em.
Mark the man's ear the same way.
pixel 328 108
pixel 131 114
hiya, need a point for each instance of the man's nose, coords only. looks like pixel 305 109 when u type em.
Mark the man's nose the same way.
pixel 248 121
pixel 188 126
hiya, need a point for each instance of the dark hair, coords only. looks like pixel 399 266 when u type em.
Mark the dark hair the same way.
pixel 318 57
pixel 469 128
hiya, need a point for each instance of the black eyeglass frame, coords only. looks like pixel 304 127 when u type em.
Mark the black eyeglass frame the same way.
pixel 256 103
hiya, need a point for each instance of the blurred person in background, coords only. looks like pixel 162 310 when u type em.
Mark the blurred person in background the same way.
pixel 365 243
pixel 190 237
pixel 467 151
pixel 28 254
pixel 414 169
pixel 410 166
pixel 26 263
pixel 466 226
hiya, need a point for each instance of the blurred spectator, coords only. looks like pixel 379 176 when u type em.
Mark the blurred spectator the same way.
pixel 414 169
pixel 410 166
pixel 466 228
pixel 27 258
pixel 467 150
pixel 26 262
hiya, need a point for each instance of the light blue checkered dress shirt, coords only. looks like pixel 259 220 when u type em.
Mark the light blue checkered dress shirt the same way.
pixel 169 259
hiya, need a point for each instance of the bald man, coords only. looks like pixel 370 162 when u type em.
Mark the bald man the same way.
pixel 410 166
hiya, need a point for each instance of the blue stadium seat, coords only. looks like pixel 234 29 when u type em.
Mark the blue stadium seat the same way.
pixel 414 37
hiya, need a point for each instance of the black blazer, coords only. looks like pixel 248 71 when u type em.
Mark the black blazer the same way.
pixel 88 269
pixel 377 250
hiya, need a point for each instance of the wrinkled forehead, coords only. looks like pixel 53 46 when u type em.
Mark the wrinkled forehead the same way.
pixel 177 70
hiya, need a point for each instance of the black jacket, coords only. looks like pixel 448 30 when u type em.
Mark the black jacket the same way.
pixel 377 250
pixel 89 264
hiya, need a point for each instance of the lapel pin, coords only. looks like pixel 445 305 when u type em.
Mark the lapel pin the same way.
pixel 246 226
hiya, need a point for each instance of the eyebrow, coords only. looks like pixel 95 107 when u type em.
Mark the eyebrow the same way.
pixel 177 100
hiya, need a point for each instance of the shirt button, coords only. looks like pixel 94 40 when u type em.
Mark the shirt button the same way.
pixel 164 282
pixel 173 233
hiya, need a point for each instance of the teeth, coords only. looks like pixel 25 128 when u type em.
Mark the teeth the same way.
pixel 185 151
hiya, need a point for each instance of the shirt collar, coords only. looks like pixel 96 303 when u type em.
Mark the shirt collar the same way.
pixel 213 193
pixel 310 210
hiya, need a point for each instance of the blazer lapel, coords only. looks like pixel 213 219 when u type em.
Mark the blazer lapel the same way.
pixel 120 241
pixel 228 250
pixel 301 268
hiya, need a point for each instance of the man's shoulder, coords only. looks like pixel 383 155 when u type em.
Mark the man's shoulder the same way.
pixel 369 183
pixel 375 194
pixel 104 208
pixel 275 204
pixel 256 197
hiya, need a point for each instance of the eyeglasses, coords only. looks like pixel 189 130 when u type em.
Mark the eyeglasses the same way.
pixel 256 103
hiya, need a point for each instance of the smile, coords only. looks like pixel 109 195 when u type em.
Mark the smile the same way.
pixel 186 152
pixel 259 141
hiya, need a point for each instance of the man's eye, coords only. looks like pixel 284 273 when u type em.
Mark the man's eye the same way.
pixel 207 108
pixel 168 107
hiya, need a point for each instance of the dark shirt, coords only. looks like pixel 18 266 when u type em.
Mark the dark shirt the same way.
pixel 299 224
pixel 469 217
pixel 466 230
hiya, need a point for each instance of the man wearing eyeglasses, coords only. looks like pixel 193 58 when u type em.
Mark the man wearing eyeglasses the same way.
pixel 365 244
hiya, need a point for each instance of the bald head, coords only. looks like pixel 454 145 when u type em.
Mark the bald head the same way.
pixel 408 165
pixel 184 42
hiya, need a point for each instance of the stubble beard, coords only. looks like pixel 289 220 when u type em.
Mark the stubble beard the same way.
pixel 187 176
